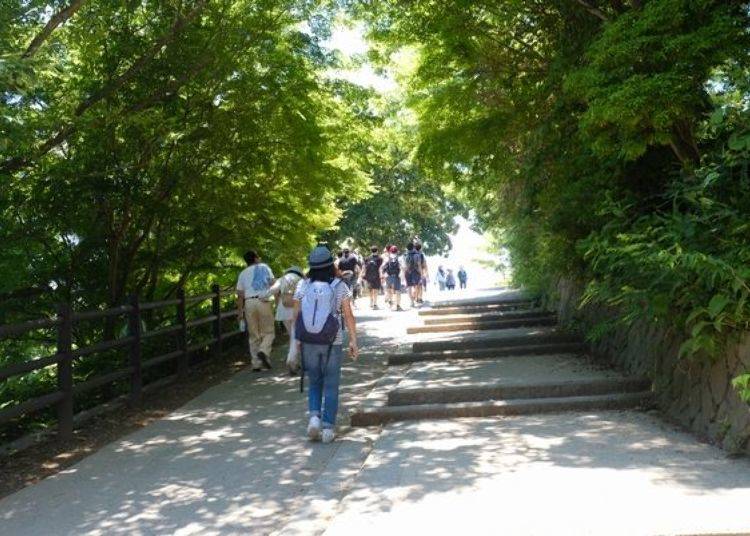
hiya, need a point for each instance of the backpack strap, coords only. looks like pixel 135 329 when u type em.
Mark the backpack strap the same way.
pixel 302 369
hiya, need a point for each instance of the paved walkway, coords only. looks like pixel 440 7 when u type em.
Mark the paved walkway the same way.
pixel 608 473
pixel 233 461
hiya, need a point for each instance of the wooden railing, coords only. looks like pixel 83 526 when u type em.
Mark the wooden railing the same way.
pixel 64 396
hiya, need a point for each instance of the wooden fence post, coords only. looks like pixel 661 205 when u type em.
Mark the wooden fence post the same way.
pixel 134 331
pixel 216 306
pixel 65 372
pixel 183 362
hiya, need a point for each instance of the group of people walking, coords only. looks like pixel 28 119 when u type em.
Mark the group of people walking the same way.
pixel 316 309
pixel 446 280
pixel 392 272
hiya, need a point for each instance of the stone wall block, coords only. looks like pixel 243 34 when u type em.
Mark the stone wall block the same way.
pixel 696 393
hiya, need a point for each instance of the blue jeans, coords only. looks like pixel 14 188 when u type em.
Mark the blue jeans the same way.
pixel 324 373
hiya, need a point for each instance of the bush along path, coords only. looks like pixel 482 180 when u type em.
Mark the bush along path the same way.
pixel 551 430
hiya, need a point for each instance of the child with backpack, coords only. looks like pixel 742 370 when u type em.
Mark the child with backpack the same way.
pixel 284 289
pixel 322 304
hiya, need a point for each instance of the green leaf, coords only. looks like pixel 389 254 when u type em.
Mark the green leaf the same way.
pixel 717 304
pixel 739 143
pixel 742 384
pixel 717 117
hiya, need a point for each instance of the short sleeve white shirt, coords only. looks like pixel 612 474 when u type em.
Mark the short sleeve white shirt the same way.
pixel 245 281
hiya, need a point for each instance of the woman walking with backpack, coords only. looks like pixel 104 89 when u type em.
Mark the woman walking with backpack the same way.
pixel 322 305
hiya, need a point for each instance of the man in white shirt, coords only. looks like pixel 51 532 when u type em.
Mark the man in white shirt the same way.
pixel 254 306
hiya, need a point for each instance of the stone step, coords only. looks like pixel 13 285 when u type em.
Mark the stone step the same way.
pixel 497 339
pixel 473 325
pixel 618 401
pixel 470 309
pixel 488 353
pixel 508 299
pixel 510 391
pixel 486 317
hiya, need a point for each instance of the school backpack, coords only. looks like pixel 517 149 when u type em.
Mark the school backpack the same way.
pixel 372 266
pixel 317 322
pixel 288 287
pixel 392 267
pixel 414 261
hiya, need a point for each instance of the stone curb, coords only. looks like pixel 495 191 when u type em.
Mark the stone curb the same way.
pixel 548 320
pixel 503 407
pixel 487 317
pixel 469 309
pixel 509 300
pixel 548 389
pixel 548 337
pixel 488 353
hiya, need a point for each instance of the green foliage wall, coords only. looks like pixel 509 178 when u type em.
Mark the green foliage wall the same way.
pixel 607 140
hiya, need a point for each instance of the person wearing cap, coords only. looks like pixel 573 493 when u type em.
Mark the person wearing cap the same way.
pixel 284 289
pixel 322 363
pixel 254 307
pixel 391 270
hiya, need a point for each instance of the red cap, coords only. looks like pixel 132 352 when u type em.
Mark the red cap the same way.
pixel 394 249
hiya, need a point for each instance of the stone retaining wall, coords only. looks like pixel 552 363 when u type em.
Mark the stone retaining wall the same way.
pixel 695 394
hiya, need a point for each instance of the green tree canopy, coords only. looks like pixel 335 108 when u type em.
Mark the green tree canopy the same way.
pixel 146 145
pixel 605 140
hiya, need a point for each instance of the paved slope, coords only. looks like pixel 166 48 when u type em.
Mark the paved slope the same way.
pixel 604 473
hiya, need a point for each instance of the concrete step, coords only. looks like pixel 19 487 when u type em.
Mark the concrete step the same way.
pixel 485 317
pixel 508 299
pixel 531 370
pixel 488 353
pixel 496 339
pixel 473 325
pixel 617 401
pixel 471 309
pixel 511 391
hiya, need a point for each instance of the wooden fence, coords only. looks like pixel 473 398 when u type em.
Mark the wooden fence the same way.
pixel 67 354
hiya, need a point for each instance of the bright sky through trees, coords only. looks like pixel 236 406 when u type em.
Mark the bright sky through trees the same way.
pixel 469 248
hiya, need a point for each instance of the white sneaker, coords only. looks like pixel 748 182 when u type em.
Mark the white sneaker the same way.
pixel 313 428
pixel 328 435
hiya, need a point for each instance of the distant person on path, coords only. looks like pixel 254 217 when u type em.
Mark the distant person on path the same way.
pixel 349 266
pixel 254 306
pixel 413 272
pixel 462 276
pixel 284 289
pixel 391 270
pixel 371 276
pixel 424 270
pixel 450 280
pixel 440 277
pixel 322 300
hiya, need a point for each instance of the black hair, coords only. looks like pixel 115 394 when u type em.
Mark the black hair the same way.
pixel 410 246
pixel 418 246
pixel 340 254
pixel 250 257
pixel 325 274
pixel 374 249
